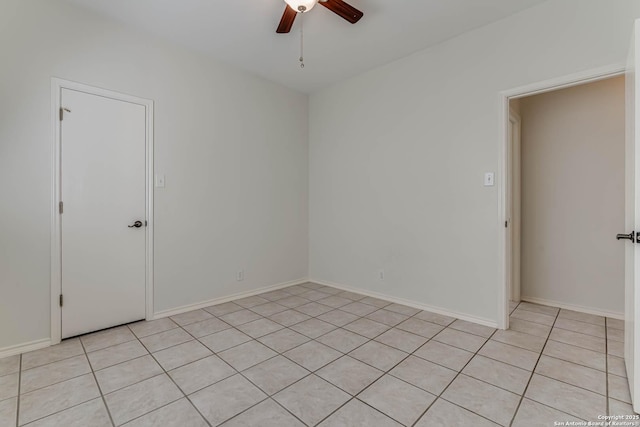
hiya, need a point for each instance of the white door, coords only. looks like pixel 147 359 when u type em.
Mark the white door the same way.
pixel 632 220
pixel 103 193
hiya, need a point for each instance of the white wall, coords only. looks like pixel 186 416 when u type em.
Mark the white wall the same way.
pixel 573 196
pixel 233 148
pixel 398 154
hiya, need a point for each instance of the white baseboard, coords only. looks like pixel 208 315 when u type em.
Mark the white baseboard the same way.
pixel 411 303
pixel 221 300
pixel 46 342
pixel 580 308
pixel 24 348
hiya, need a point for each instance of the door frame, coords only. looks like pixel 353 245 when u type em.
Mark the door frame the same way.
pixel 512 200
pixel 504 97
pixel 57 85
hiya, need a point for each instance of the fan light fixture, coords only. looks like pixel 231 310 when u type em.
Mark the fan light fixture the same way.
pixel 339 7
pixel 301 5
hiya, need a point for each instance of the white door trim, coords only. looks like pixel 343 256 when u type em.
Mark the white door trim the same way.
pixel 56 253
pixel 503 99
pixel 512 199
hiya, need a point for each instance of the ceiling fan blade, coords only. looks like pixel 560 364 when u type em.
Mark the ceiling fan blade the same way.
pixel 343 9
pixel 286 22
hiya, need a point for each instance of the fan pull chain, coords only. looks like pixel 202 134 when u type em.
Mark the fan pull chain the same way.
pixel 302 40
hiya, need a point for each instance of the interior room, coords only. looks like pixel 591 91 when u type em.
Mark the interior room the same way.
pixel 313 213
pixel 571 179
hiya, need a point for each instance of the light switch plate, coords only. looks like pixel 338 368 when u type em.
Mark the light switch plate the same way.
pixel 489 179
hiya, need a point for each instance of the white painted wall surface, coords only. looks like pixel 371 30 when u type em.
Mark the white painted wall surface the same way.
pixel 573 196
pixel 233 148
pixel 398 154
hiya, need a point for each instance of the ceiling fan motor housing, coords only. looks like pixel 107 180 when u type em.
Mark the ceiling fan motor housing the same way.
pixel 301 5
pixel 339 7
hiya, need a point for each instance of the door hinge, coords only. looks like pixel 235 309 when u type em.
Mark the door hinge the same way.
pixel 506 224
pixel 61 300
pixel 60 207
pixel 62 110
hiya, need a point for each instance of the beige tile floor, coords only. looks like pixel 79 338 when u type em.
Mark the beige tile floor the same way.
pixel 314 355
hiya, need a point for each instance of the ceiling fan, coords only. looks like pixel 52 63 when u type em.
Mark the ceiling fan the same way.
pixel 294 7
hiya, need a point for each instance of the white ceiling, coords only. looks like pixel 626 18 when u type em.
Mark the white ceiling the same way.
pixel 242 32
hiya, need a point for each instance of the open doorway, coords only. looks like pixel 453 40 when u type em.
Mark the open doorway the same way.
pixel 564 197
pixel 513 220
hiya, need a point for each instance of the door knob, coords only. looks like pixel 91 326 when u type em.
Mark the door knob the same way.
pixel 136 224
pixel 625 236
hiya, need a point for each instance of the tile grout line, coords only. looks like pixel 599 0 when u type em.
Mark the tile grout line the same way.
pixel 142 380
pixel 527 321
pixel 55 361
pixel 561 410
pixel 98 370
pixel 269 397
pixel 566 361
pixel 565 328
pixel 458 373
pixel 547 355
pixel 104 401
pixel 61 410
pixel 537 373
pixel 563 382
pixel 412 353
pixel 262 401
pixel 164 372
pixel 309 338
pixel 515 313
pixel 343 355
pixel 388 372
pixel 335 327
pixel 290 329
pixel 578 332
pixel 326 333
pixel 180 366
pixel 74 376
pixel 58 382
pixel 155 409
pixel 560 309
pixel 155 333
pixel 252 339
pixel 389 327
pixel 159 407
pixel 579 346
pixel 533 371
pixel 352 397
pixel 120 363
pixel 72 406
pixel 377 379
pixel 310 372
pixel 187 396
pixel 557 358
pixel 557 410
